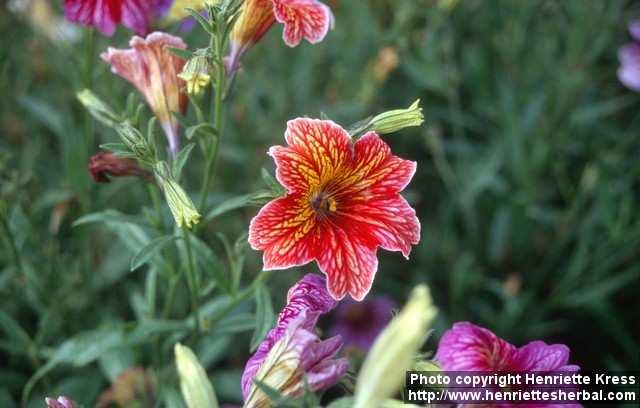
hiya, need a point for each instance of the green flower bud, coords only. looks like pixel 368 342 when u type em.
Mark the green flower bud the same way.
pixel 181 206
pixel 196 388
pixel 196 72
pixel 134 140
pixel 392 354
pixel 398 119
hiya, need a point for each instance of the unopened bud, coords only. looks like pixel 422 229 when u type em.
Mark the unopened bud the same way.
pixel 398 119
pixel 181 206
pixel 196 388
pixel 393 351
pixel 134 140
pixel 196 72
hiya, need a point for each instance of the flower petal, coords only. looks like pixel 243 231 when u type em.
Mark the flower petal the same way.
pixel 284 230
pixel 105 14
pixel 539 356
pixel 317 150
pixel 467 347
pixel 348 260
pixel 309 19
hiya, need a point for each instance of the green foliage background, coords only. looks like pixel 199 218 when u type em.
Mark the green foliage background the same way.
pixel 527 186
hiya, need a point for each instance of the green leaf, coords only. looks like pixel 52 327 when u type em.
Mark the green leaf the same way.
pixel 203 23
pixel 272 183
pixel 109 216
pixel 265 317
pixel 149 250
pixel 246 200
pixel 209 263
pixel 181 159
pixel 278 400
pixel 204 129
pixel 179 52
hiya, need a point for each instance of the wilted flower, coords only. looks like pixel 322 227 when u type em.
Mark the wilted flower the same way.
pixel 105 14
pixel 153 70
pixel 629 56
pixel 467 347
pixel 132 387
pixel 309 19
pixel 359 323
pixel 197 72
pixel 60 402
pixel 391 356
pixel 196 388
pixel 182 208
pixel 291 353
pixel 105 164
pixel 342 203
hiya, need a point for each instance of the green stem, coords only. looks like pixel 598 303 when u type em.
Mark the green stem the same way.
pixel 217 121
pixel 192 280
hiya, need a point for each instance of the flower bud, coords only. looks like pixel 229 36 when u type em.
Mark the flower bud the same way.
pixel 134 140
pixel 60 402
pixel 181 206
pixel 393 351
pixel 197 390
pixel 105 164
pixel 196 72
pixel 398 119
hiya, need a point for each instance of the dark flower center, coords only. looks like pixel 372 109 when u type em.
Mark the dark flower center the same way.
pixel 322 203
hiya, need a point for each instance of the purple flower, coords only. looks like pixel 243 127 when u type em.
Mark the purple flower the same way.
pixel 61 402
pixel 629 56
pixel 467 347
pixel 359 323
pixel 292 351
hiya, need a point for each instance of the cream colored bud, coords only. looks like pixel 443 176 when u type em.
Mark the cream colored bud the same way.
pixel 182 208
pixel 398 119
pixel 196 73
pixel 196 388
pixel 392 354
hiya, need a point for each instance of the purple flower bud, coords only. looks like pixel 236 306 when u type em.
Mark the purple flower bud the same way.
pixel 61 402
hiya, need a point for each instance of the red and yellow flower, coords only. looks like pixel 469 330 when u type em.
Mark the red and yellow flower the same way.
pixel 342 203
pixel 308 19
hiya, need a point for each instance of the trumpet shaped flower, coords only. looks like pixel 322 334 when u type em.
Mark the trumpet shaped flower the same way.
pixel 467 347
pixel 342 203
pixel 292 353
pixel 104 165
pixel 308 19
pixel 153 70
pixel 106 14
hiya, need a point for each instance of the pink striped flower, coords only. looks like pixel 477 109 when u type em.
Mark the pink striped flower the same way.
pixel 292 353
pixel 153 70
pixel 308 19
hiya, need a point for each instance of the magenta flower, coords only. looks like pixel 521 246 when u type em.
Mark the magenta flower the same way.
pixel 359 323
pixel 467 347
pixel 291 351
pixel 106 14
pixel 60 402
pixel 629 56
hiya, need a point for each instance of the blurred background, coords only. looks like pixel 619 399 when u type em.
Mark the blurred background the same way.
pixel 527 188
